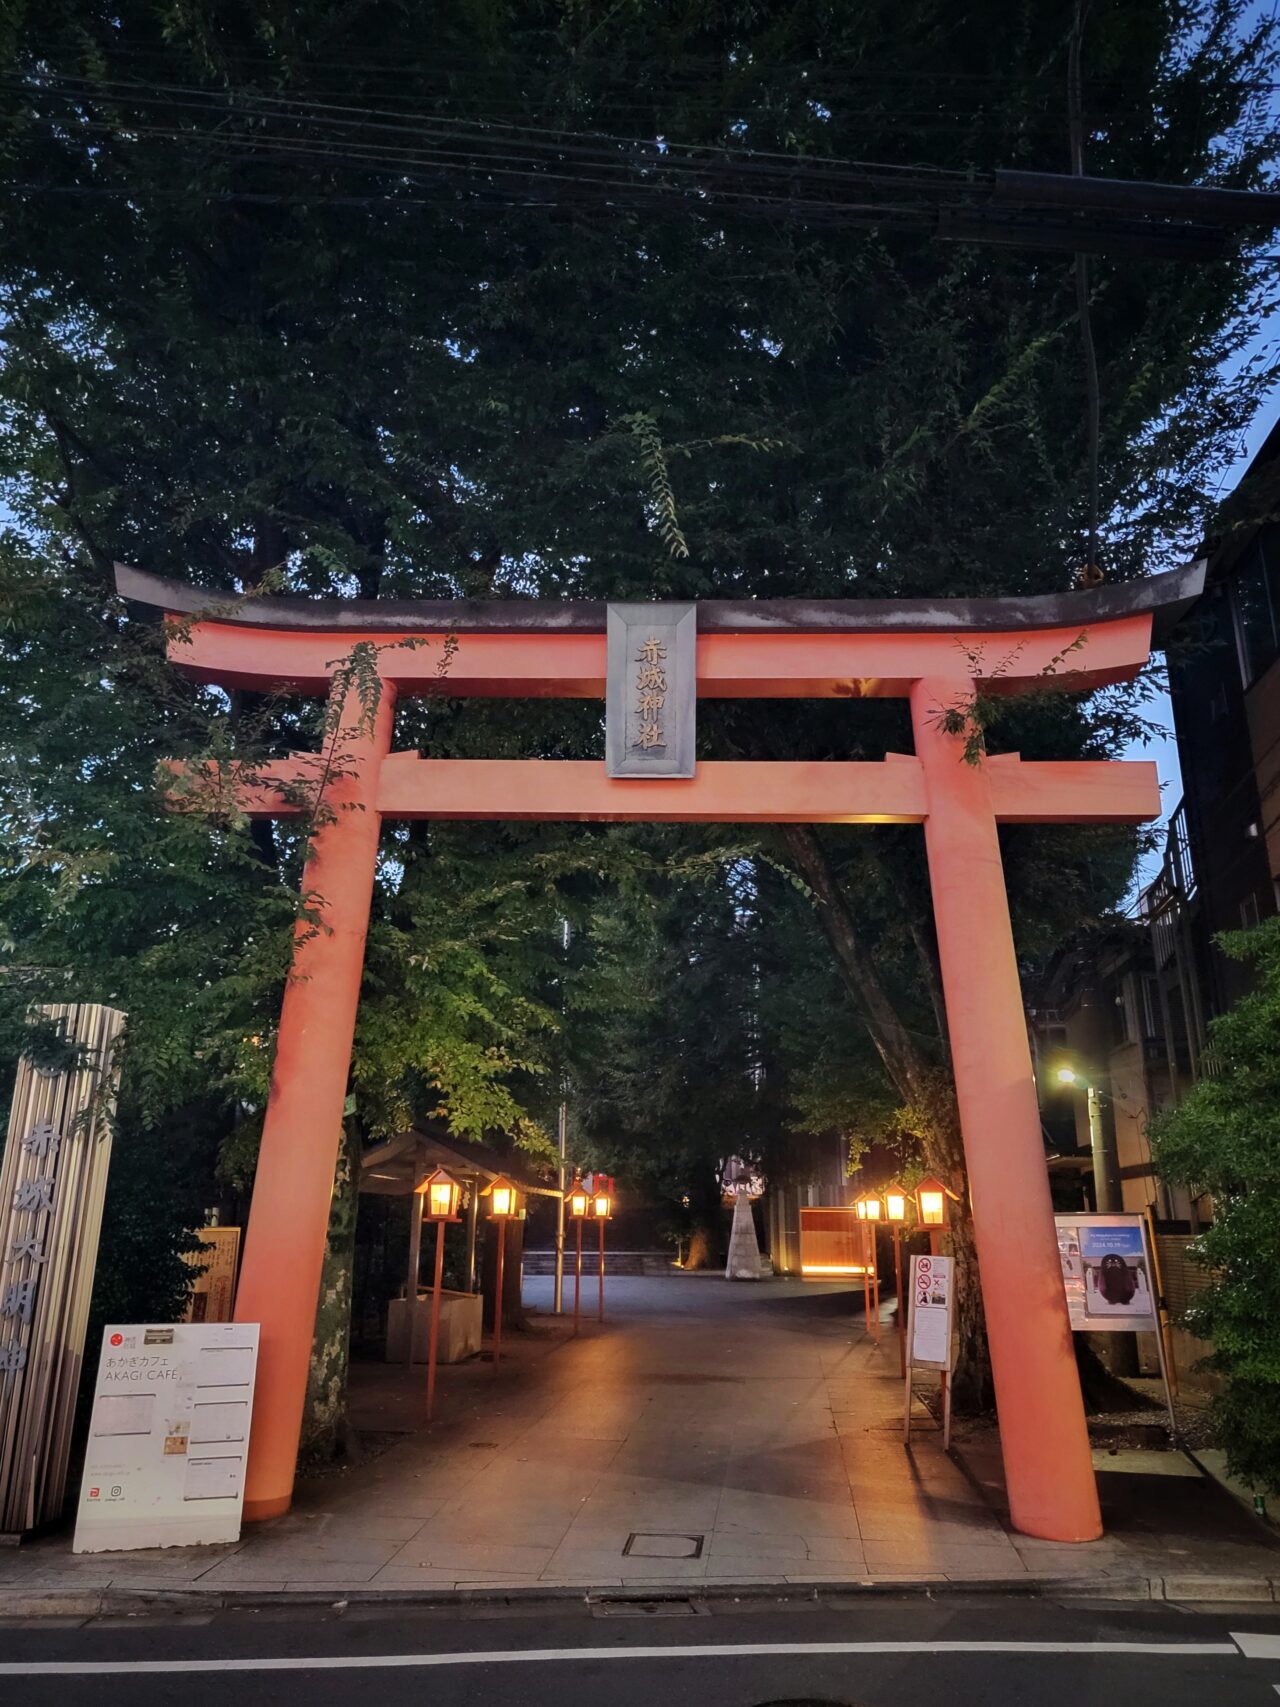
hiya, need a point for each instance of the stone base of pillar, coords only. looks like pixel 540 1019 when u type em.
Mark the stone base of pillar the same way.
pixel 744 1251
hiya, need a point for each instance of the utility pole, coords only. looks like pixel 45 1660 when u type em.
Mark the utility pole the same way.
pixel 557 1299
pixel 557 1303
pixel 1106 1163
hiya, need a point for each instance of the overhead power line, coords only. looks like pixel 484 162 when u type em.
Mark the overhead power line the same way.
pixel 444 157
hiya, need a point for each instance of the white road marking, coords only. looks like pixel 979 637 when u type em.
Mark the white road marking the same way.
pixel 561 1656
pixel 1257 1647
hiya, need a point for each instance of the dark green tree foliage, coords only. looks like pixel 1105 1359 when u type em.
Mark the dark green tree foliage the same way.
pixel 266 322
pixel 1223 1140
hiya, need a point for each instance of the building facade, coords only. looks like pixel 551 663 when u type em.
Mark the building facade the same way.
pixel 1120 1020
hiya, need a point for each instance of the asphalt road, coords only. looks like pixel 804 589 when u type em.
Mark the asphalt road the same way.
pixel 868 1652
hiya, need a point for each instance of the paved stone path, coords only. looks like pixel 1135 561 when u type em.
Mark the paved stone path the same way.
pixel 708 1433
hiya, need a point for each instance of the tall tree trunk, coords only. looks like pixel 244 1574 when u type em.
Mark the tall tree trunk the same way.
pixel 326 1429
pixel 925 1088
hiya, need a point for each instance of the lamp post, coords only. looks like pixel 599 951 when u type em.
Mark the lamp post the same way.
pixel 1107 1196
pixel 440 1194
pixel 895 1209
pixel 602 1209
pixel 504 1202
pixel 579 1209
pixel 870 1212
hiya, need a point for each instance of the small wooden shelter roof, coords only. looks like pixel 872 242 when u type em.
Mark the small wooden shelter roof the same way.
pixel 396 1166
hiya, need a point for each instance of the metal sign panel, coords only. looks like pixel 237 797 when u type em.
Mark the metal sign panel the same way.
pixel 53 1178
pixel 165 1462
pixel 651 694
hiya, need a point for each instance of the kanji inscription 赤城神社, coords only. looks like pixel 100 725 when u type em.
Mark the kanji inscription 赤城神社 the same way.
pixel 650 695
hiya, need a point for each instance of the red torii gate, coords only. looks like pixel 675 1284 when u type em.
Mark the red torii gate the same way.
pixel 937 655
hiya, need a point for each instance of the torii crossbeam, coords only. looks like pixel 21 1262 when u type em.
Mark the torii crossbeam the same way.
pixel 937 655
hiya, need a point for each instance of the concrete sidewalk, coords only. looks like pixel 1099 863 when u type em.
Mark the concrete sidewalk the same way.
pixel 708 1434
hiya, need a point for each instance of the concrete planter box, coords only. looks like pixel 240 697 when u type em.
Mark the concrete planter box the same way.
pixel 459 1327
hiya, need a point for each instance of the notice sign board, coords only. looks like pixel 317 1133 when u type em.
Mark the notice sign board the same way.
pixel 1107 1272
pixel 168 1437
pixel 214 1293
pixel 929 1339
pixel 930 1305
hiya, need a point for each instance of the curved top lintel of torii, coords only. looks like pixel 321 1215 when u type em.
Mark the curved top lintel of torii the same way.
pixel 1164 597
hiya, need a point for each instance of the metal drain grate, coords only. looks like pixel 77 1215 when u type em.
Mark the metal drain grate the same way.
pixel 647 1609
pixel 654 1544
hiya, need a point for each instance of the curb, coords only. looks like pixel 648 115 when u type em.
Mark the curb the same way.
pixel 142 1602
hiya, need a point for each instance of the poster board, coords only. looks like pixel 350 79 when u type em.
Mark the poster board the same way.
pixel 930 1313
pixel 214 1293
pixel 169 1434
pixel 1109 1274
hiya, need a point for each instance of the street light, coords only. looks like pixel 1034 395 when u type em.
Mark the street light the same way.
pixel 601 1210
pixel 504 1202
pixel 440 1194
pixel 579 1209
pixel 895 1206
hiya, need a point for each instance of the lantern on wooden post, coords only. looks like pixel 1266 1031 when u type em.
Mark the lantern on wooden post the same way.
pixel 896 1199
pixel 579 1209
pixel 870 1213
pixel 601 1210
pixel 934 1198
pixel 440 1194
pixel 504 1202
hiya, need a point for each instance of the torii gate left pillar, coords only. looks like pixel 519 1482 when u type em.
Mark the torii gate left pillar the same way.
pixel 842 648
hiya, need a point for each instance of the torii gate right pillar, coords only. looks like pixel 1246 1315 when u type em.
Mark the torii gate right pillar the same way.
pixel 1048 1467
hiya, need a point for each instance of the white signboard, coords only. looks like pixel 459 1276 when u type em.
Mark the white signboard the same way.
pixel 930 1303
pixel 168 1437
pixel 1107 1272
pixel 929 1345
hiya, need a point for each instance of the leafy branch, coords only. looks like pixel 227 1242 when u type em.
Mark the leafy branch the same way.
pixel 975 715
